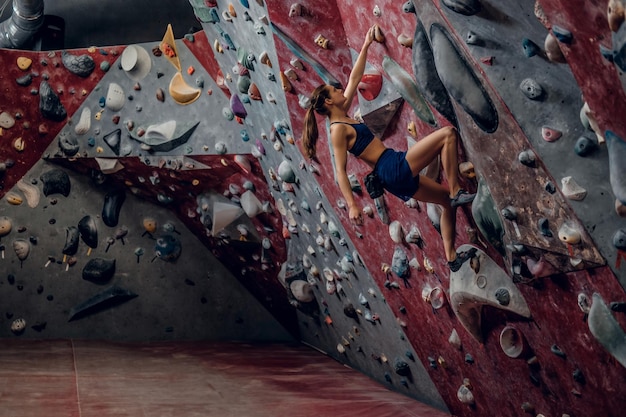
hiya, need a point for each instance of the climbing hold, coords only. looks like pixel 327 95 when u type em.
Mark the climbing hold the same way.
pixel 619 239
pixel 167 248
pixel 544 227
pixel 460 80
pixel 512 342
pixel 549 134
pixel 465 396
pixel 585 146
pixel 321 41
pixel 527 157
pixel 464 7
pixel 408 7
pixel 427 77
pixel 5 226
pixel 572 190
pixel 113 201
pixel 530 48
pixel 296 9
pixel 617 169
pixel 24 63
pixel 563 35
pixel 455 340
pixel 88 231
pixel 108 298
pixel 569 235
pixel 405 40
pixel 531 89
pixel 407 88
pixel 31 193
pixel 469 293
pixel 84 123
pixel 50 104
pixel 607 330
pixel 557 351
pixel 553 49
pixel 370 86
pixel 472 38
pixel 181 92
pixel 615 14
pixel 55 181
pixel 21 248
pixel 487 216
pixel 400 263
pixel 99 270
pixel 160 95
pixel 396 232
pixel 136 62
pixel 18 326
pixel 81 65
pixel 287 87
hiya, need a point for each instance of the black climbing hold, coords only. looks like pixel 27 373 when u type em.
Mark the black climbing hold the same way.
pixel 550 187
pixel 408 7
pixel 39 326
pixel 401 367
pixel 11 279
pixel 544 227
pixel 68 144
pixel 50 103
pixel 25 80
pixel 619 307
pixel 350 311
pixel 81 65
pixel 503 296
pixel 55 181
pixel 88 231
pixel 469 358
pixel 71 240
pixel 99 270
pixel 557 351
pixel 113 201
pixel 114 140
pixel 106 299
pixel 579 376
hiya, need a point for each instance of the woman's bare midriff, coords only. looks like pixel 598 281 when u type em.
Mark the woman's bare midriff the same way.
pixel 372 152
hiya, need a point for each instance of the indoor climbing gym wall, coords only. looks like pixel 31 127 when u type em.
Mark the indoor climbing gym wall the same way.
pixel 160 191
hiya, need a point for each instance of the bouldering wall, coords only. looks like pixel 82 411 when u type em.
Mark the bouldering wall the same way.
pixel 202 135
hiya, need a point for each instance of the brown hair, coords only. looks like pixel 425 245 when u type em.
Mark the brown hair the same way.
pixel 310 133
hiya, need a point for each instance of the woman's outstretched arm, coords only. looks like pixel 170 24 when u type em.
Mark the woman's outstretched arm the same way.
pixel 357 71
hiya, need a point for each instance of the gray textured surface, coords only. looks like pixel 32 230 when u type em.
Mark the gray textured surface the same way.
pixel 193 298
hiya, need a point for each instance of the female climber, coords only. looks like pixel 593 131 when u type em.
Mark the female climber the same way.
pixel 398 171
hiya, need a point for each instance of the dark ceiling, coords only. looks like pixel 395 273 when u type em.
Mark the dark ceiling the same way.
pixel 117 22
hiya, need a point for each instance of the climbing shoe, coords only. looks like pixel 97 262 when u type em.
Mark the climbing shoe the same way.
pixel 461 258
pixel 462 197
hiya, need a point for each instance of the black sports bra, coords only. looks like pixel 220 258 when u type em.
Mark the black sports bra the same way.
pixel 364 137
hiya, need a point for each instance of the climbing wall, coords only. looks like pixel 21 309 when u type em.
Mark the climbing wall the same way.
pixel 186 148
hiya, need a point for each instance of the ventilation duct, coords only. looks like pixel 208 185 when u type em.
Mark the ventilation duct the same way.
pixel 23 25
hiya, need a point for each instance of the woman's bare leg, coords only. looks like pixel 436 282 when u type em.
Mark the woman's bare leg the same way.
pixel 432 192
pixel 441 142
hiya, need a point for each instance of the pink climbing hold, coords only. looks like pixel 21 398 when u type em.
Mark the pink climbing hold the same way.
pixel 549 134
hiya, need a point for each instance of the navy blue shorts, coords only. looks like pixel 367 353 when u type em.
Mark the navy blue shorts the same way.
pixel 395 174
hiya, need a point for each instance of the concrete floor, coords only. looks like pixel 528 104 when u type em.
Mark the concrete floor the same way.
pixel 75 378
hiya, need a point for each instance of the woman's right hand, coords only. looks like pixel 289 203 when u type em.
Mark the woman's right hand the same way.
pixel 356 215
pixel 369 37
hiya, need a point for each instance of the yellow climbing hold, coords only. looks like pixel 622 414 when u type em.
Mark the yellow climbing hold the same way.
pixel 18 144
pixel 24 63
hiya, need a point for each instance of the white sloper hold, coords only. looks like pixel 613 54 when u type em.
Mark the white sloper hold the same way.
pixel 115 98
pixel 223 215
pixel 606 329
pixel 84 123
pixel 396 232
pixel 251 204
pixel 302 291
pixel 572 190
pixel 286 172
pixel 489 285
